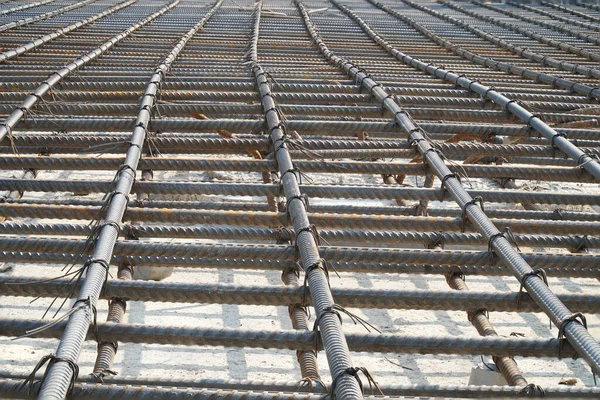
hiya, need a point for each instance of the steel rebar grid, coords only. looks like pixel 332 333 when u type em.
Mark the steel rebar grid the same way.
pixel 59 373
pixel 560 28
pixel 575 331
pixel 30 20
pixel 531 34
pixel 10 54
pixel 301 81
pixel 521 51
pixel 25 6
pixel 532 120
pixel 56 77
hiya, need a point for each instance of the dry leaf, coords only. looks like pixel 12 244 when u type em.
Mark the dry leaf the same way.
pixel 568 381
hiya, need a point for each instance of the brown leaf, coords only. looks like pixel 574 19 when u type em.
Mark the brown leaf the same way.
pixel 255 154
pixel 472 160
pixel 199 116
pixel 568 381
pixel 224 133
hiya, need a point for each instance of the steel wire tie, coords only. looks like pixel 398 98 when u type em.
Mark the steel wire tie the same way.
pixel 279 235
pixel 593 157
pixel 389 96
pixel 353 371
pixel 11 139
pixel 583 246
pixel 438 240
pixel 579 317
pixel 85 303
pixel 532 390
pixel 509 236
pixel 312 229
pixel 50 359
pixel 553 143
pixel 464 216
pixel 335 309
pixel 303 198
pixel 323 265
pixel 297 173
pixel 443 187
pixel 540 273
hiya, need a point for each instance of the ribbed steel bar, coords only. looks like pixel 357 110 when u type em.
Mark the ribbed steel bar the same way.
pixel 295 340
pixel 46 15
pixel 56 77
pixel 330 327
pixel 282 252
pixel 10 54
pixel 411 96
pixel 284 296
pixel 25 6
pixel 559 221
pixel 257 165
pixel 529 33
pixel 334 128
pixel 556 27
pixel 479 318
pixel 323 148
pixel 59 374
pixel 560 315
pixel 451 391
pixel 277 265
pixel 323 191
pixel 116 311
pixel 450 108
pixel 15 390
pixel 510 105
pixel 521 51
pixel 331 236
pixel 138 390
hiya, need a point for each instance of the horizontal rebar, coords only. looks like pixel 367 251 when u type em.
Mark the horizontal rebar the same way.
pixel 301 340
pixel 321 191
pixel 332 236
pixel 283 296
pixel 284 252
pixel 452 391
pixel 541 173
pixel 278 265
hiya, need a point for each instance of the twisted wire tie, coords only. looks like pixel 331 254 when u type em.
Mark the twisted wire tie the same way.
pixel 51 359
pixel 579 317
pixel 509 236
pixel 464 216
pixel 540 273
pixel 353 371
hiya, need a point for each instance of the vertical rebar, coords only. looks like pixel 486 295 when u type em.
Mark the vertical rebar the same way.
pixel 116 312
pixel 332 336
pixel 60 374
